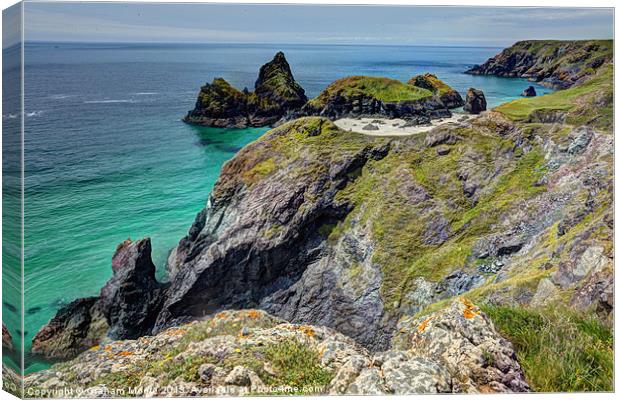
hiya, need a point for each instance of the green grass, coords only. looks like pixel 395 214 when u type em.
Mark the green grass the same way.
pixel 383 89
pixel 577 102
pixel 559 350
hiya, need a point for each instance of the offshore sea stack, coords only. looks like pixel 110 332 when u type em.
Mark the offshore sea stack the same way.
pixel 552 63
pixel 276 94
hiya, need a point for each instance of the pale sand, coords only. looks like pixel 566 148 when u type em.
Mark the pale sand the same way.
pixel 393 127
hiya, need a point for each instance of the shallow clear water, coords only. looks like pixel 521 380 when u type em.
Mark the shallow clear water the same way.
pixel 108 158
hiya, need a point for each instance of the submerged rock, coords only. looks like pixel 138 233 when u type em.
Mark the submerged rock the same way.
pixel 475 102
pixel 276 94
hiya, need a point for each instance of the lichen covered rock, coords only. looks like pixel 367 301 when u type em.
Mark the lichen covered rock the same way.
pixel 249 351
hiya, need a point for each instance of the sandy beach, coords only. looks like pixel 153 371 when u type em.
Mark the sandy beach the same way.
pixel 393 127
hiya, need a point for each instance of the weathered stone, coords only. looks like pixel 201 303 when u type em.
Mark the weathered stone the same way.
pixel 475 102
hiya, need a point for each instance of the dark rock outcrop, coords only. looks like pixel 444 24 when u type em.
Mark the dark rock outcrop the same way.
pixel 529 92
pixel 125 309
pixel 447 95
pixel 76 327
pixel 553 63
pixel 475 102
pixel 276 94
pixel 131 299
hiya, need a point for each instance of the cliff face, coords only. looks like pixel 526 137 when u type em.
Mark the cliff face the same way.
pixel 370 236
pixel 362 96
pixel 553 63
pixel 276 94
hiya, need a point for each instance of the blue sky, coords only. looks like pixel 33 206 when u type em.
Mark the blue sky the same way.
pixel 211 23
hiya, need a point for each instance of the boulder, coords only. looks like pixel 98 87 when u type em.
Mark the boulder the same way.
pixel 529 92
pixel 475 102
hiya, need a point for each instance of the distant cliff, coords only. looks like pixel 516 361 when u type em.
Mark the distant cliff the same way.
pixel 552 63
pixel 276 93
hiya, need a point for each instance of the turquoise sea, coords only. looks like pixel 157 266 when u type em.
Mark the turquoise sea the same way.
pixel 107 157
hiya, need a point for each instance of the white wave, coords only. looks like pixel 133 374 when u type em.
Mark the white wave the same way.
pixel 10 116
pixel 61 96
pixel 109 101
pixel 34 113
pixel 145 93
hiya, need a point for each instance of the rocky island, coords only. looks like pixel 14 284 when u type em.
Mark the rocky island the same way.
pixel 276 93
pixel 422 98
pixel 454 260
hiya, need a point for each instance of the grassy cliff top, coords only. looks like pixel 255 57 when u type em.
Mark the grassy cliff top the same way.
pixel 582 103
pixel 383 89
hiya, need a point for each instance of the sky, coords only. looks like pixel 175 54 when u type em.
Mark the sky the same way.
pixel 223 23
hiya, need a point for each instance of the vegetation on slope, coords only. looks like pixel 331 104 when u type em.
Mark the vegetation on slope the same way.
pixel 559 350
pixel 554 63
pixel 589 103
pixel 383 89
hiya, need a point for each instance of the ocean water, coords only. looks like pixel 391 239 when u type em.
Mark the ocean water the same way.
pixel 108 158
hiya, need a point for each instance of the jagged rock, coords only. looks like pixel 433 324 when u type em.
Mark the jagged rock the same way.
pixel 475 102
pixel 448 96
pixel 75 328
pixel 131 299
pixel 7 339
pixel 462 340
pixel 276 95
pixel 555 63
pixel 529 92
pixel 126 308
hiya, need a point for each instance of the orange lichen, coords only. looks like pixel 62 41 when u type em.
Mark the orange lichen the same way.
pixel 95 348
pixel 124 353
pixel 307 330
pixel 253 314
pixel 424 324
pixel 470 310
pixel 175 332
